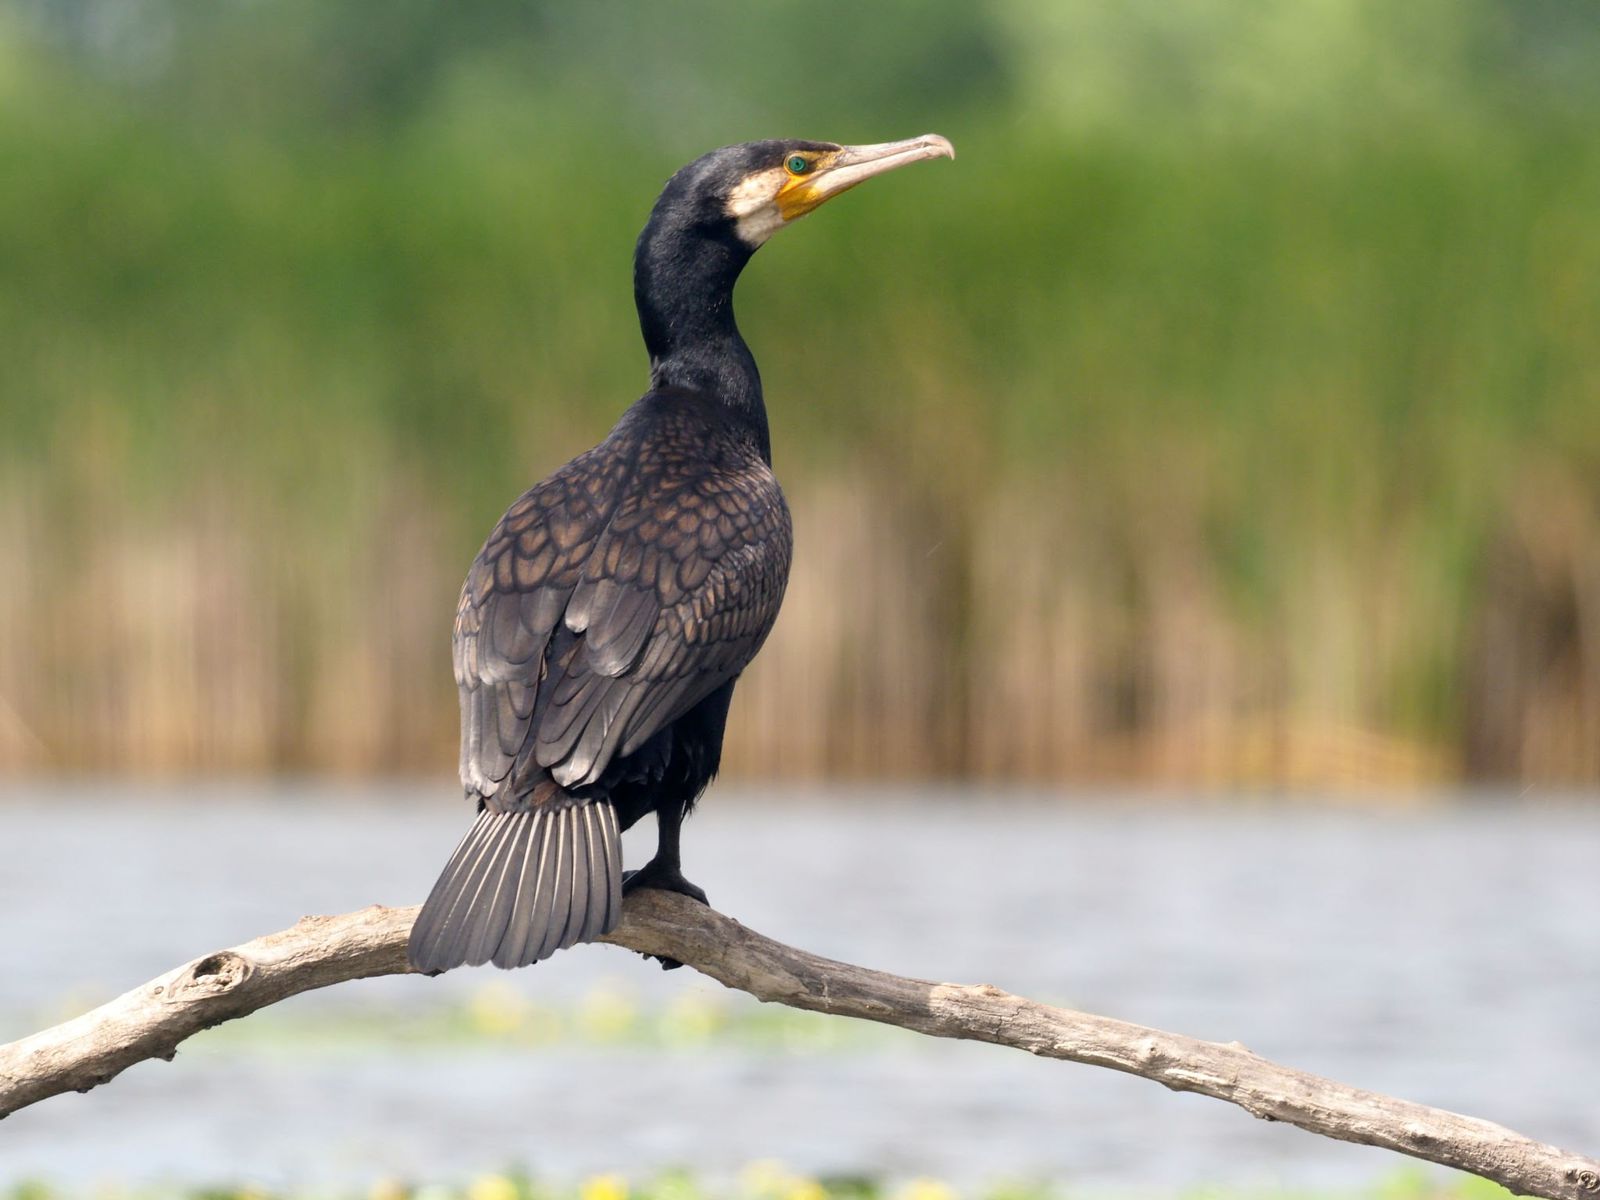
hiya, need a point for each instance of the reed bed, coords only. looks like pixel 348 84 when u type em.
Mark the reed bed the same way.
pixel 1183 431
pixel 226 639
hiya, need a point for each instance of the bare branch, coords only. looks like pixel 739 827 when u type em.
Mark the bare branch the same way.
pixel 150 1022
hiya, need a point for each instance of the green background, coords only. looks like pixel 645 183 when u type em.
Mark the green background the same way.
pixel 1229 412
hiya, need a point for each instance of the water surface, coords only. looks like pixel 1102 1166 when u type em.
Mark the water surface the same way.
pixel 1450 955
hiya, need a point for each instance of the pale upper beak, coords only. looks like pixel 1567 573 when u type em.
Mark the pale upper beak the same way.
pixel 850 165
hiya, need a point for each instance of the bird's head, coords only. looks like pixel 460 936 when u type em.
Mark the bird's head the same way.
pixel 756 188
pixel 710 218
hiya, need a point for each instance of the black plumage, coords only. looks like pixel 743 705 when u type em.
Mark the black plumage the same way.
pixel 604 623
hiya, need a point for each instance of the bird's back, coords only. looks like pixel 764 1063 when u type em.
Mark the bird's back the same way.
pixel 614 595
pixel 610 600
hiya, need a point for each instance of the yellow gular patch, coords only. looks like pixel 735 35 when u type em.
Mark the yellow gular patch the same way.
pixel 753 205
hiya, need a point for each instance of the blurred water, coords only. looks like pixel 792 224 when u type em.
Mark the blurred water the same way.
pixel 1449 955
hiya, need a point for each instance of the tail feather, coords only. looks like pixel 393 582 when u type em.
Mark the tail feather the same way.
pixel 612 841
pixel 515 943
pixel 599 894
pixel 457 889
pixel 494 898
pixel 521 886
pixel 544 890
pixel 559 881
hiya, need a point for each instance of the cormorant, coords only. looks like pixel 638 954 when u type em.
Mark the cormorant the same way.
pixel 604 623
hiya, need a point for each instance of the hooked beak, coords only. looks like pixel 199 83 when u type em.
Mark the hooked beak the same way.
pixel 847 166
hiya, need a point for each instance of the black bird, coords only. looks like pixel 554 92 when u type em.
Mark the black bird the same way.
pixel 604 623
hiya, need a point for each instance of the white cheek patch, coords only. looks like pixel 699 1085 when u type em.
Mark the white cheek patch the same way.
pixel 753 205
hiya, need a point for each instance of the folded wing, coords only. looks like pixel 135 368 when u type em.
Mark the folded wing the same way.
pixel 611 599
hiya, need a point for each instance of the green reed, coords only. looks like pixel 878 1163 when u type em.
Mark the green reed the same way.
pixel 1176 406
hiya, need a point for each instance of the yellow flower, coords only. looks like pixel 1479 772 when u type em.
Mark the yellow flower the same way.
pixel 388 1188
pixel 927 1189
pixel 607 1015
pixel 497 1010
pixel 691 1019
pixel 764 1177
pixel 604 1187
pixel 803 1187
pixel 492 1187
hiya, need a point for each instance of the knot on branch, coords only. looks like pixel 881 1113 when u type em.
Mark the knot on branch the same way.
pixel 214 975
pixel 1151 1052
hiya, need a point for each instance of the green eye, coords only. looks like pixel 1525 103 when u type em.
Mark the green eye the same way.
pixel 798 164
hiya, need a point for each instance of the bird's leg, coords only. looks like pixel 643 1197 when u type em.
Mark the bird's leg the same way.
pixel 665 870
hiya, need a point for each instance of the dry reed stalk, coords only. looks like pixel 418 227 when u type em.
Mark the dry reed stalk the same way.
pixel 1038 643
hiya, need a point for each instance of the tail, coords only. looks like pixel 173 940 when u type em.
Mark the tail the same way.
pixel 521 886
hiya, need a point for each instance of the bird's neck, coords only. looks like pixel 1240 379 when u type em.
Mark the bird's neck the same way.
pixel 683 285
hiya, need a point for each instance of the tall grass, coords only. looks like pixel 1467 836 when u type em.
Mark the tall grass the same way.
pixel 1215 423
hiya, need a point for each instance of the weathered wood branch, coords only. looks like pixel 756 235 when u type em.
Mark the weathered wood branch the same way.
pixel 150 1022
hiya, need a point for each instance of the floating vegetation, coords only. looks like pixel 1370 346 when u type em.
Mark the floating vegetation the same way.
pixel 766 1180
pixel 609 1015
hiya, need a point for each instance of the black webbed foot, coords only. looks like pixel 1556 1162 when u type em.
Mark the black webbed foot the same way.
pixel 665 878
pixel 656 874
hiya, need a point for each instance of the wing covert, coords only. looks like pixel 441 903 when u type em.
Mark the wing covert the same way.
pixel 609 601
